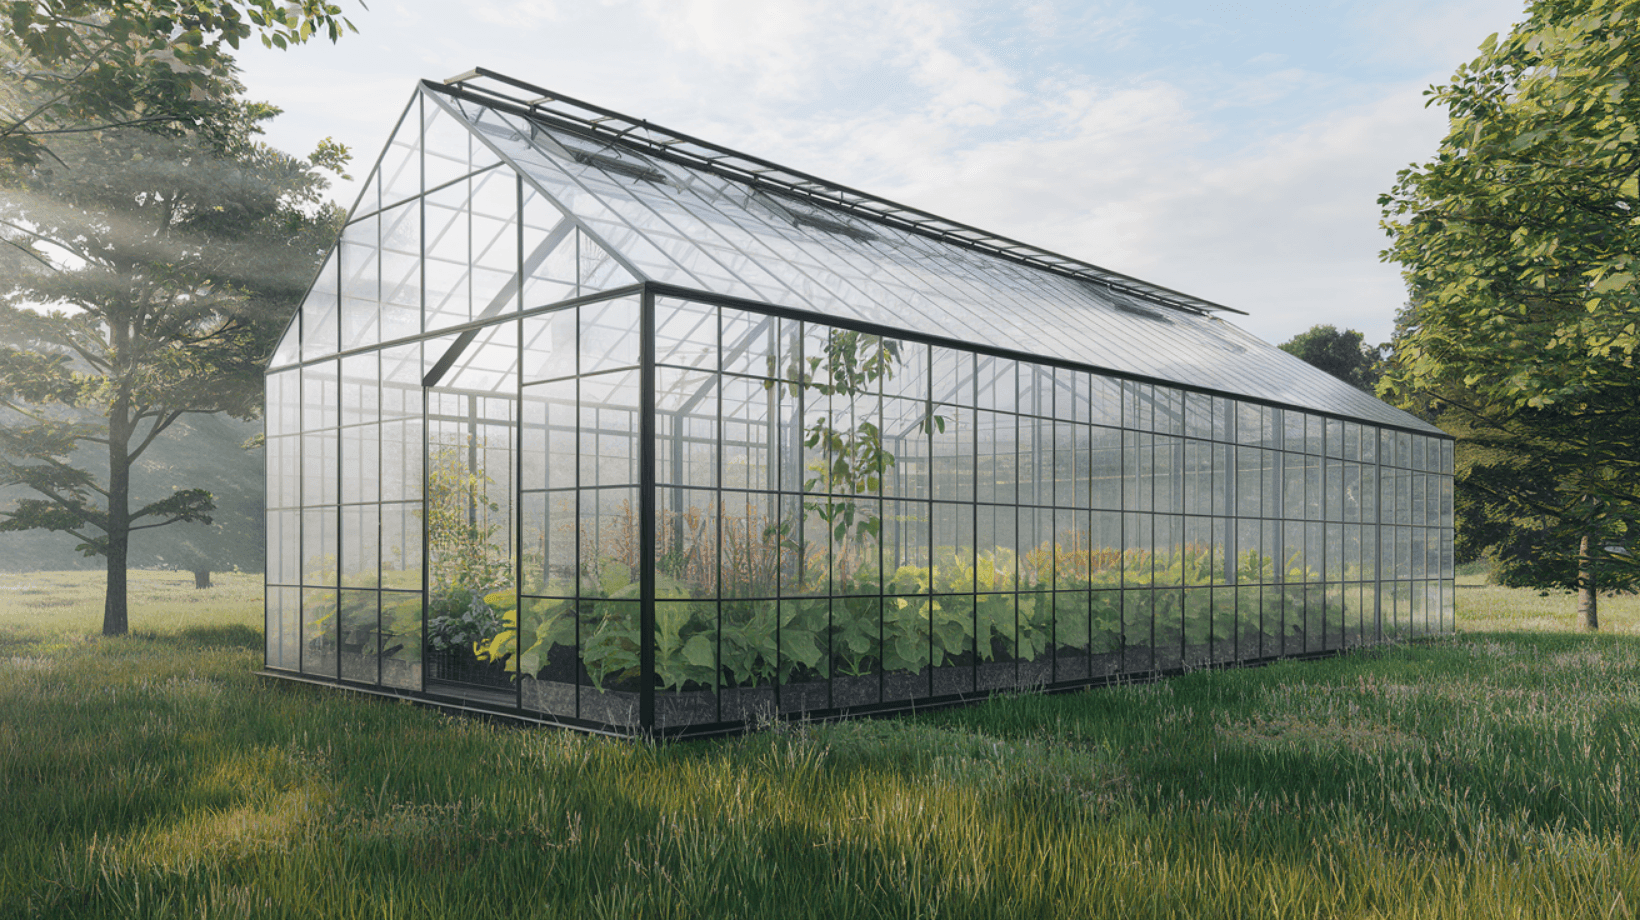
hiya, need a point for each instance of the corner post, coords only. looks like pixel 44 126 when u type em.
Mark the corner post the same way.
pixel 646 512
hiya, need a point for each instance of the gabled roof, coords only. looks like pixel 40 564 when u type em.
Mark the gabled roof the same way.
pixel 671 208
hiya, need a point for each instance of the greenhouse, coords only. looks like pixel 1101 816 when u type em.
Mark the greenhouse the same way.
pixel 593 423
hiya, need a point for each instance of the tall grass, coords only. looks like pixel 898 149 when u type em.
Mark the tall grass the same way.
pixel 1487 775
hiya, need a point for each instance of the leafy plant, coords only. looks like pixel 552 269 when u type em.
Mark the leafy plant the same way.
pixel 463 525
pixel 460 617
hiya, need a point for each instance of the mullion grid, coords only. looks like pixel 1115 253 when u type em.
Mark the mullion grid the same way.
pixel 1429 606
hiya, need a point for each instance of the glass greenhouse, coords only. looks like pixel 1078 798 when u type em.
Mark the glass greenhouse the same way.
pixel 589 422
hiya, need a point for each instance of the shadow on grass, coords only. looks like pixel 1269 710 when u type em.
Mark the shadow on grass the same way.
pixel 16 643
pixel 220 636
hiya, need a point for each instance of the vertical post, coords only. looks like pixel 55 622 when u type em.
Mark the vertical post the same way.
pixel 426 406
pixel 646 512
pixel 268 569
pixel 1378 532
pixel 1278 499
pixel 517 445
pixel 1325 463
pixel 426 551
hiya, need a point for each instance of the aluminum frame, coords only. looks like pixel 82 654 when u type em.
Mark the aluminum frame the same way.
pixel 1302 475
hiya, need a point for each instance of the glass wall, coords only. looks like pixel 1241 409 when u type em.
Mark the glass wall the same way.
pixel 835 520
pixel 846 520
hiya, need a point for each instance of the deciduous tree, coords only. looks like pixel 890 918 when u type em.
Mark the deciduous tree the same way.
pixel 74 66
pixel 1345 355
pixel 175 263
pixel 1520 243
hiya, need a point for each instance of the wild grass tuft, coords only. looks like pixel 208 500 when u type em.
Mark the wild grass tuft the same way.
pixel 1487 775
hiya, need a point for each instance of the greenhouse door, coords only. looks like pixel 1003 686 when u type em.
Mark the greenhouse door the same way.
pixel 469 511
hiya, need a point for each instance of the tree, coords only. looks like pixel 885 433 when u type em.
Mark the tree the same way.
pixel 74 66
pixel 175 264
pixel 1342 354
pixel 204 451
pixel 1519 243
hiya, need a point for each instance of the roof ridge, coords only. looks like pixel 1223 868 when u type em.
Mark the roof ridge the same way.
pixel 607 125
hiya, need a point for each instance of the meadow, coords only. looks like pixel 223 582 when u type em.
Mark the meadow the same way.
pixel 1489 774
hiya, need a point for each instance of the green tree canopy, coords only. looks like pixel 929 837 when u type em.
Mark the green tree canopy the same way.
pixel 1519 244
pixel 175 263
pixel 74 66
pixel 1344 355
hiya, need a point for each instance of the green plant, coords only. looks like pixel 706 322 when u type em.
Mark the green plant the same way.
pixel 460 617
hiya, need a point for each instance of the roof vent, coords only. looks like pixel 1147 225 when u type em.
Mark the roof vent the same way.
pixel 1141 311
pixel 619 167
pixel 801 219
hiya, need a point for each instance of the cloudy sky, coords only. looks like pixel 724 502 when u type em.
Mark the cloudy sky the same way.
pixel 1234 151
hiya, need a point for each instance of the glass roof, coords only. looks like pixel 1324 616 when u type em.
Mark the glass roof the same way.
pixel 672 209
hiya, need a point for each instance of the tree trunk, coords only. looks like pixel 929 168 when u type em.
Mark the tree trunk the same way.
pixel 115 619
pixel 1588 602
pixel 202 578
pixel 116 622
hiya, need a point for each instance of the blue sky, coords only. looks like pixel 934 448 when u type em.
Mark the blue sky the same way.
pixel 1234 151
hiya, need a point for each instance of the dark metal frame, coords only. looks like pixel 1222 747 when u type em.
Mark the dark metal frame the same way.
pixel 605 126
pixel 598 123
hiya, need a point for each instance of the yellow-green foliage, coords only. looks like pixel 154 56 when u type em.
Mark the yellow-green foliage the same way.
pixel 1488 775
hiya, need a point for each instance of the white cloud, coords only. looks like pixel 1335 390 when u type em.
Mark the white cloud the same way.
pixel 1249 178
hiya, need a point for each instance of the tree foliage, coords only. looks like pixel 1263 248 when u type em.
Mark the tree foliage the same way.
pixel 174 264
pixel 1343 354
pixel 1519 242
pixel 74 66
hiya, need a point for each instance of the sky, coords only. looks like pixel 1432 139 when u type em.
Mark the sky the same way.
pixel 1233 151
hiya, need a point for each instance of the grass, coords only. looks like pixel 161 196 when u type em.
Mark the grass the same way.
pixel 1488 775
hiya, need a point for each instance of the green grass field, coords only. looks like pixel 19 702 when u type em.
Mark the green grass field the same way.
pixel 1494 774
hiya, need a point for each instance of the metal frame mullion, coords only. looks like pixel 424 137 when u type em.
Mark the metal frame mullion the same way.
pixel 646 516
pixel 518 452
pixel 928 501
pixel 717 493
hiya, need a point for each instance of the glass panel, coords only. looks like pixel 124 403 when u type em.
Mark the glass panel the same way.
pixel 283 628
pixel 400 267
pixel 905 439
pixel 493 212
pixel 907 530
pixel 856 650
pixel 320 473
pixel 953 376
pixel 400 546
pixel 1138 638
pixel 446 141
pixel 550 345
pixel 953 448
pixel 749 554
pixel 360 283
pixel 401 455
pixel 289 349
pixel 952 642
pixel 997 624
pixel 686 334
pixel 998 382
pixel 400 168
pixel 284 534
pixel 551 265
pixel 686 414
pixel 686 537
pixel 448 257
pixel 609 335
pixel 749 658
pixel 608 446
pixel 550 525
pixel 359 640
pixel 749 343
pixel 360 553
pixel 548 663
pixel 319 322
